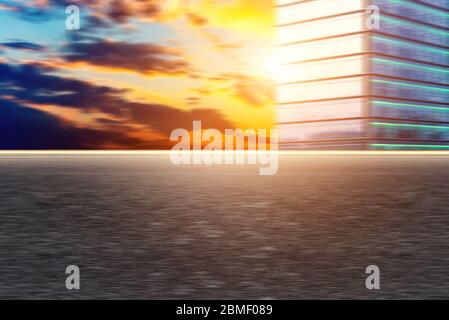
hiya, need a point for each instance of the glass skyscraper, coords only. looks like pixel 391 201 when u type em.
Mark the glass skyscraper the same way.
pixel 349 83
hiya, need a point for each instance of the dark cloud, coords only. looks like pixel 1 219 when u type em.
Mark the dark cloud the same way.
pixel 120 11
pixel 165 119
pixel 138 57
pixel 109 11
pixel 94 23
pixel 24 127
pixel 22 45
pixel 34 84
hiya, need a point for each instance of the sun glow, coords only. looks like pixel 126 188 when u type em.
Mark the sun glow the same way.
pixel 268 64
pixel 272 66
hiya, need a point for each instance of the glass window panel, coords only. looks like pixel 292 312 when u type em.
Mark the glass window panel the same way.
pixel 409 90
pixel 411 131
pixel 320 90
pixel 408 49
pixel 316 9
pixel 408 110
pixel 321 49
pixel 351 108
pixel 413 31
pixel 404 146
pixel 414 10
pixel 410 70
pixel 439 3
pixel 321 28
pixel 326 130
pixel 321 69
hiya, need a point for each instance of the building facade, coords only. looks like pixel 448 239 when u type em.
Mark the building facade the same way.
pixel 347 82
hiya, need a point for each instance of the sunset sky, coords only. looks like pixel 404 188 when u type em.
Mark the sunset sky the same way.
pixel 135 71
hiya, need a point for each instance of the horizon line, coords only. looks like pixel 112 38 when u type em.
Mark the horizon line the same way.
pixel 167 152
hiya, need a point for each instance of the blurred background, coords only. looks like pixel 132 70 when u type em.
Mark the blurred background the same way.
pixel 133 72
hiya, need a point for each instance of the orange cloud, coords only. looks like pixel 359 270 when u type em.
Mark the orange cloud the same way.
pixel 254 91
